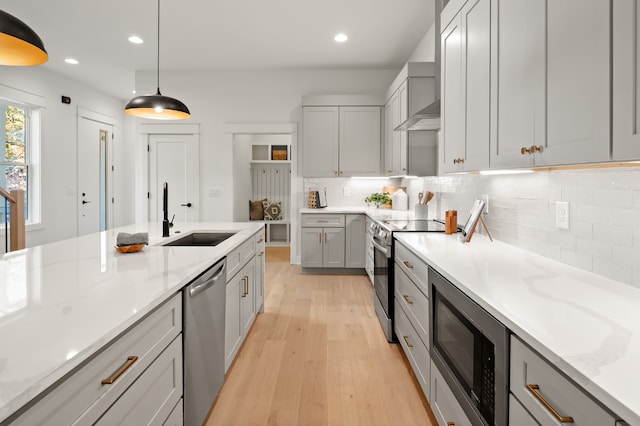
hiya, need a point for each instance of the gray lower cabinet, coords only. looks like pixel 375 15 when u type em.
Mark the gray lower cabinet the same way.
pixel 411 319
pixel 443 402
pixel 323 239
pixel 518 415
pixel 547 395
pixel 244 295
pixel 144 368
pixel 356 230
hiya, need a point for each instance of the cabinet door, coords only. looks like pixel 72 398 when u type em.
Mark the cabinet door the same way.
pixel 333 247
pixel 517 80
pixel 388 136
pixel 247 297
pixel 360 129
pixel 626 80
pixel 443 402
pixel 476 74
pixel 401 113
pixel 232 328
pixel 259 281
pixel 320 141
pixel 311 250
pixel 518 415
pixel 355 241
pixel 577 82
pixel 452 124
pixel 152 397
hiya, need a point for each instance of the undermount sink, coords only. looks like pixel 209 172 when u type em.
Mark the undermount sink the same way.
pixel 201 239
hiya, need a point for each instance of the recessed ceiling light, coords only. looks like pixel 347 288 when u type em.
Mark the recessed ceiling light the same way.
pixel 341 38
pixel 135 39
pixel 71 61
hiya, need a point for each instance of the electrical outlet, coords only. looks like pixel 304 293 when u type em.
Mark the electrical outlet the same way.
pixel 562 215
pixel 485 198
pixel 346 191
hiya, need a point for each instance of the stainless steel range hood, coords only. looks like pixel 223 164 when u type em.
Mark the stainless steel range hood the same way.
pixel 428 118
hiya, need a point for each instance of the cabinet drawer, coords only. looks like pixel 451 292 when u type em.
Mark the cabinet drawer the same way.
pixel 534 380
pixel 176 416
pixel 518 415
pixel 240 255
pixel 150 400
pixel 82 398
pixel 414 302
pixel 323 220
pixel 444 404
pixel 414 267
pixel 414 348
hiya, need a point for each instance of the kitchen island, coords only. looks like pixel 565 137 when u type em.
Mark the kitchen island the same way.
pixel 61 303
pixel 586 326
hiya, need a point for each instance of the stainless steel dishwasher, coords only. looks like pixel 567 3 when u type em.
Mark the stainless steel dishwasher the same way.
pixel 203 333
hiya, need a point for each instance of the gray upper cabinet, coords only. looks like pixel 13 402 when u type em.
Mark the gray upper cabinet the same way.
pixel 550 81
pixel 343 139
pixel 410 152
pixel 321 134
pixel 626 80
pixel 466 47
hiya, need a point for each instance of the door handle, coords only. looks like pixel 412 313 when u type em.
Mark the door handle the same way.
pixel 186 205
pixel 85 202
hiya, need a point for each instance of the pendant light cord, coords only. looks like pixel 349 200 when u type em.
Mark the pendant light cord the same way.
pixel 158 56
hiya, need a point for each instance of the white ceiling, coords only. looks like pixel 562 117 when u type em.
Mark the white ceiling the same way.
pixel 221 34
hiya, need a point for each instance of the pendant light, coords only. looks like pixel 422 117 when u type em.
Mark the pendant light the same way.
pixel 157 106
pixel 19 44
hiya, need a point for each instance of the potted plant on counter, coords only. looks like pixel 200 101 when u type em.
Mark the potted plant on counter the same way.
pixel 378 199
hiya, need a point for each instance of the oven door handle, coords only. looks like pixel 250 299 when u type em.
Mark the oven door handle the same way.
pixel 383 249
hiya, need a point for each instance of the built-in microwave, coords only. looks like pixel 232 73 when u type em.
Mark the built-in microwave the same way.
pixel 470 348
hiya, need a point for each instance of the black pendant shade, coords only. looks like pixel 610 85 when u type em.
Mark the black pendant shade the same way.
pixel 158 106
pixel 19 44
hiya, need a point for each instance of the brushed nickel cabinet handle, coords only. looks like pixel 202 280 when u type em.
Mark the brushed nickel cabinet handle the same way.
pixel 111 380
pixel 407 264
pixel 406 297
pixel 406 340
pixel 562 419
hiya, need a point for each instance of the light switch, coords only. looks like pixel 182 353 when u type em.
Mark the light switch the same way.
pixel 214 191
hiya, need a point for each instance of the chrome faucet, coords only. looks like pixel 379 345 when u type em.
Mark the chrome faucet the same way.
pixel 165 210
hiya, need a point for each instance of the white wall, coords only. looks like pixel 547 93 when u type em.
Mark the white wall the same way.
pixel 58 149
pixel 224 97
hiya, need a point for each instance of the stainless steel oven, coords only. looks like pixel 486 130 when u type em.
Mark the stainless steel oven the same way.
pixel 383 290
pixel 471 350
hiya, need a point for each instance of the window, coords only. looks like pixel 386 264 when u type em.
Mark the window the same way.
pixel 16 154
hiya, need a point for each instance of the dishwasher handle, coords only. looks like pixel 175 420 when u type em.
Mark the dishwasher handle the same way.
pixel 207 279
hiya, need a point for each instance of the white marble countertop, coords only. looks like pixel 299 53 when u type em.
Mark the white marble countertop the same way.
pixel 586 325
pixel 61 302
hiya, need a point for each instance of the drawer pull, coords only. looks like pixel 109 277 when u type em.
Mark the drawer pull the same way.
pixel 323 221
pixel 407 264
pixel 261 253
pixel 406 297
pixel 111 380
pixel 260 240
pixel 534 390
pixel 406 340
pixel 451 423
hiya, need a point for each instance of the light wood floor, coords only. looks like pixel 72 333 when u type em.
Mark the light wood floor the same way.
pixel 317 356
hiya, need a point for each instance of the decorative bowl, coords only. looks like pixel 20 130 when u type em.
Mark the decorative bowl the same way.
pixel 130 249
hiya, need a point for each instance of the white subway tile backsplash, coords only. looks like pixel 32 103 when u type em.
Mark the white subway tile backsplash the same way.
pixel 604 204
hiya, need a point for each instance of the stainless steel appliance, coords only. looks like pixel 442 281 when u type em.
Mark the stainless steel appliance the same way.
pixel 383 252
pixel 471 350
pixel 203 321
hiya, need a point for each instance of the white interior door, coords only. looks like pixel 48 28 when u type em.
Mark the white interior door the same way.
pixel 174 159
pixel 95 175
